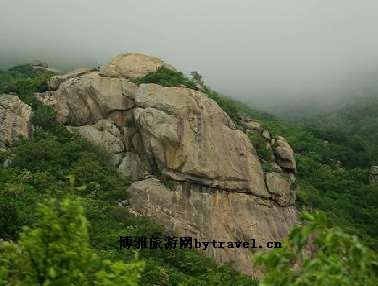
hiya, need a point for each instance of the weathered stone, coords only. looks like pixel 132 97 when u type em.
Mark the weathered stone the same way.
pixel 133 167
pixel 103 133
pixel 282 188
pixel 86 99
pixel 123 203
pixel 15 120
pixel 128 134
pixel 285 155
pixel 252 125
pixel 373 175
pixel 206 214
pixel 193 139
pixel 266 135
pixel 55 81
pixel 131 65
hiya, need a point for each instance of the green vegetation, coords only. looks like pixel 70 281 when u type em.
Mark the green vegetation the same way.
pixel 259 142
pixel 167 77
pixel 355 123
pixel 318 255
pixel 23 79
pixel 56 251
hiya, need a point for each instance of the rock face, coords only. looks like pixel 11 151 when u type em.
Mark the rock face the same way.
pixel 192 139
pixel 373 175
pixel 218 189
pixel 15 120
pixel 206 214
pixel 55 81
pixel 282 188
pixel 85 99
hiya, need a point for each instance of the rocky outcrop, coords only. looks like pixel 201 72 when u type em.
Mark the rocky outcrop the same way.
pixel 373 175
pixel 132 65
pixel 285 154
pixel 15 120
pixel 205 213
pixel 85 99
pixel 55 81
pixel 178 135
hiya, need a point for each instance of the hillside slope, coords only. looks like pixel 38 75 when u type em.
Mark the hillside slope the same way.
pixel 332 173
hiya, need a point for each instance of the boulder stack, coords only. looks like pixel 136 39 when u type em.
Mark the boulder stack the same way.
pixel 217 187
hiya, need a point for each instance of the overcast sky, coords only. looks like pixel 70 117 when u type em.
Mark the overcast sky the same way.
pixel 244 48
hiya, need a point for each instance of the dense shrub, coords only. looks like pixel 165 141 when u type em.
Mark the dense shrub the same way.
pixel 318 255
pixel 167 77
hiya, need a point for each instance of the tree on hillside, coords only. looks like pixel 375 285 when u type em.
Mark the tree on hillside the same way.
pixel 56 251
pixel 317 255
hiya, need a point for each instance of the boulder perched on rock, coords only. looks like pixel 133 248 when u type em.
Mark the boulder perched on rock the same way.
pixel 373 175
pixel 285 154
pixel 206 214
pixel 15 120
pixel 132 65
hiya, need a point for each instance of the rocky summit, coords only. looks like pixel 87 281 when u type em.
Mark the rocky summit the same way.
pixel 194 170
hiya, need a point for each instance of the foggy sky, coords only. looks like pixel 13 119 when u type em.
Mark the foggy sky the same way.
pixel 247 49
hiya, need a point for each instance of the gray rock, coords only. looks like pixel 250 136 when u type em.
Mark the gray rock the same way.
pixel 285 154
pixel 206 214
pixel 15 120
pixel 104 133
pixel 373 175
pixel 282 188
pixel 133 167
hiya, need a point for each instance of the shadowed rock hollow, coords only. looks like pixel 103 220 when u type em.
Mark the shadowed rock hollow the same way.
pixel 217 187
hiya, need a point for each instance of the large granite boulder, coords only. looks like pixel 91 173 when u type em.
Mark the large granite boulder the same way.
pixel 15 120
pixel 133 167
pixel 104 133
pixel 285 154
pixel 193 139
pixel 55 81
pixel 85 99
pixel 132 65
pixel 206 214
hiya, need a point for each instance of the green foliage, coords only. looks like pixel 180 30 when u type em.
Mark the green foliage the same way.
pixel 332 177
pixel 56 251
pixel 167 77
pixel 24 79
pixel 318 255
pixel 260 144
